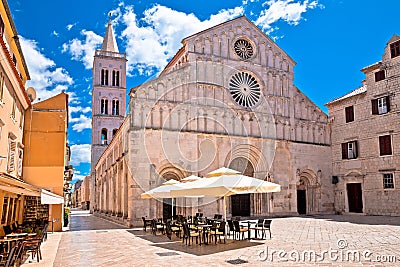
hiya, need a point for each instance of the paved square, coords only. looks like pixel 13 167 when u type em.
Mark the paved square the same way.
pixel 333 240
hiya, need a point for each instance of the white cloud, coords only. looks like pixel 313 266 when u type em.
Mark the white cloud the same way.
pixel 46 77
pixel 79 109
pixel 81 123
pixel 287 10
pixel 154 39
pixel 83 50
pixel 69 26
pixel 78 175
pixel 56 34
pixel 80 154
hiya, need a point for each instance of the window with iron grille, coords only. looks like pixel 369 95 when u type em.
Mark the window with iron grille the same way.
pixel 388 181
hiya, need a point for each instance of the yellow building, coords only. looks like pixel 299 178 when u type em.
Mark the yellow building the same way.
pixel 13 103
pixel 46 160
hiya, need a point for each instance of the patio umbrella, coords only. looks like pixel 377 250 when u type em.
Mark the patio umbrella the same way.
pixel 164 190
pixel 225 182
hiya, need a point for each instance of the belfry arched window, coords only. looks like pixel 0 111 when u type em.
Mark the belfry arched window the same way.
pixel 104 77
pixel 104 106
pixel 104 136
pixel 114 131
pixel 115 107
pixel 115 78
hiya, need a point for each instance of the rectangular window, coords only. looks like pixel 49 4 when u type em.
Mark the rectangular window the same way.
pixel 1 26
pixel 10 211
pixel 349 114
pixel 350 150
pixel 385 145
pixel 14 106
pixel 380 75
pixel 11 155
pixel 4 212
pixel 21 119
pixel 20 160
pixel 14 58
pixel 380 105
pixel 395 49
pixel 388 180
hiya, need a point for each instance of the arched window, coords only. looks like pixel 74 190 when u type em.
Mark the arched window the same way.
pixel 115 131
pixel 115 78
pixel 115 107
pixel 104 77
pixel 104 136
pixel 104 106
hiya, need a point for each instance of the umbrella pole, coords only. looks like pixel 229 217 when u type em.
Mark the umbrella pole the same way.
pixel 225 216
pixel 172 202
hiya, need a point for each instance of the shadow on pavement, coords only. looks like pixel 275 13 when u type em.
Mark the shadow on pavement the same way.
pixel 177 245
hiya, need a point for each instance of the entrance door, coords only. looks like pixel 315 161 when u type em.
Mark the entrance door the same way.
pixel 167 208
pixel 240 205
pixel 354 197
pixel 301 202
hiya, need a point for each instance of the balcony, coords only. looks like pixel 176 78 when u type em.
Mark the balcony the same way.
pixel 110 54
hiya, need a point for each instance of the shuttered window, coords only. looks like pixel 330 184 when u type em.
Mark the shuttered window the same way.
pixel 385 145
pixel 350 150
pixel 380 105
pixel 11 155
pixel 349 111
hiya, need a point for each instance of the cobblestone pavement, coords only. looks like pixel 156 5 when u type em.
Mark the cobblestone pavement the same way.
pixel 336 240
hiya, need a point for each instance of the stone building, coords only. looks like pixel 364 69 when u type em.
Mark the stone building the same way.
pixel 365 140
pixel 226 98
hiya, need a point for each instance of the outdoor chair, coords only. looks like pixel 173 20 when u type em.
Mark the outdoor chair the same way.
pixel 220 231
pixel 267 226
pixel 7 261
pixel 32 246
pixel 239 229
pixel 258 227
pixel 157 226
pixel 146 223
pixel 170 229
pixel 187 234
pixel 231 229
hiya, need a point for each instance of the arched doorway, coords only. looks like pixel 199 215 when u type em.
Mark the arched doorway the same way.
pixel 240 204
pixel 308 192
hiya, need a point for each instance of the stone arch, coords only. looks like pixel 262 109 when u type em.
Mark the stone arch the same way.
pixel 308 192
pixel 171 171
pixel 253 154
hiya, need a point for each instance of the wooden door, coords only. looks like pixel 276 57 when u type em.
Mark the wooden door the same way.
pixel 354 197
pixel 301 202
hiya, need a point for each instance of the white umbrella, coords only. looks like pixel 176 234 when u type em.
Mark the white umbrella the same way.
pixel 225 182
pixel 164 190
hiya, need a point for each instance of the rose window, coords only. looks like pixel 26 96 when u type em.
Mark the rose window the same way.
pixel 245 89
pixel 243 49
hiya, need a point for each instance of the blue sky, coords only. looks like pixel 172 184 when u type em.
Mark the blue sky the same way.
pixel 331 40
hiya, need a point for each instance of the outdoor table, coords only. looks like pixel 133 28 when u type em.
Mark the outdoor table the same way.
pixel 248 227
pixel 203 228
pixel 16 235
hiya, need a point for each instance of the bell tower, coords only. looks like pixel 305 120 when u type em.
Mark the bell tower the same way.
pixel 108 95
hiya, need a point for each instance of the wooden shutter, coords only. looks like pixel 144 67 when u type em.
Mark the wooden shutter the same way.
pixel 356 148
pixel 344 151
pixel 349 113
pixel 385 145
pixel 388 103
pixel 374 103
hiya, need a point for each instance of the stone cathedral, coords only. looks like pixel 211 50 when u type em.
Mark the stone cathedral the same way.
pixel 226 99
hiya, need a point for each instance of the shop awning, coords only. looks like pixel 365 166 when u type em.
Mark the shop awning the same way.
pixel 47 197
pixel 19 190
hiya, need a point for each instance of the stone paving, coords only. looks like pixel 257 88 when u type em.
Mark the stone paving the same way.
pixel 334 240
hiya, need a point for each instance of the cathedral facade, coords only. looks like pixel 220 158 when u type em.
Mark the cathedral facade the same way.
pixel 226 99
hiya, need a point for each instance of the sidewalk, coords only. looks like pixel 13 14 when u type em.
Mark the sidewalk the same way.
pixel 49 251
